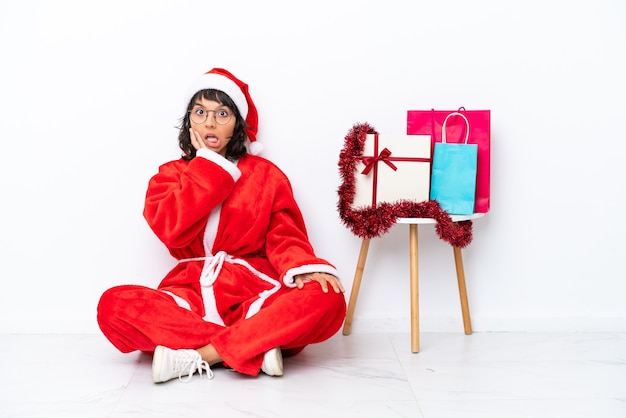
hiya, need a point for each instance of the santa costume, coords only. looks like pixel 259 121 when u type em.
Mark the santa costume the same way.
pixel 239 238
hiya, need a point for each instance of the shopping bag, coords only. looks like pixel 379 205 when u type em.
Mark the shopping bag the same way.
pixel 430 122
pixel 393 168
pixel 453 182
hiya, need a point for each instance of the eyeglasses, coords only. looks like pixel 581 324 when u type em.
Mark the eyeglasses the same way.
pixel 200 115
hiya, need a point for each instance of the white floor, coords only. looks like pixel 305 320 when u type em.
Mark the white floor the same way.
pixel 502 375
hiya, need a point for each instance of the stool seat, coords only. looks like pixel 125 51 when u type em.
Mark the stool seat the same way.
pixel 414 268
pixel 455 218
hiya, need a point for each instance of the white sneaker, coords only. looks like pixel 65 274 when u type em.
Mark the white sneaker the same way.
pixel 273 363
pixel 168 364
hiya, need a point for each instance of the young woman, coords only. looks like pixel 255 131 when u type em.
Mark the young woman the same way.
pixel 248 287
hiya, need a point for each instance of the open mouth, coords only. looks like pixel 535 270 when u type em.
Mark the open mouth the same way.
pixel 211 139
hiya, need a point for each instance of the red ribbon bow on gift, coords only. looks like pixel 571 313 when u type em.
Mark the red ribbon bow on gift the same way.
pixel 370 162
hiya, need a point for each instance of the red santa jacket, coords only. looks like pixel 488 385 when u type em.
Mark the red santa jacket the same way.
pixel 211 210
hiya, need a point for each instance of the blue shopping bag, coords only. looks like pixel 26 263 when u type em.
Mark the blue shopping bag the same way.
pixel 453 179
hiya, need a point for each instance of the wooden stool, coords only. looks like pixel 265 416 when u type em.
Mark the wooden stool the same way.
pixel 460 274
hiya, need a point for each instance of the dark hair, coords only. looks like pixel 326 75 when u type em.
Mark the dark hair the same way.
pixel 236 146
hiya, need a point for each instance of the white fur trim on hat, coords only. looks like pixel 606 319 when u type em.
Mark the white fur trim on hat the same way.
pixel 222 83
pixel 255 148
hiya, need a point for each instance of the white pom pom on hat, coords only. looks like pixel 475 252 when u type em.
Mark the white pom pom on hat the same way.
pixel 237 90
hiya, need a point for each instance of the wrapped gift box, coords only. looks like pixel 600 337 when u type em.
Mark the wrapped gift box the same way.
pixel 392 168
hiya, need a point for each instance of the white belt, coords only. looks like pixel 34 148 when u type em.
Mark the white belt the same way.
pixel 210 271
pixel 212 266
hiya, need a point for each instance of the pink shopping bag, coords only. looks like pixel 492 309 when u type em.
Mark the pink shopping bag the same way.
pixel 429 122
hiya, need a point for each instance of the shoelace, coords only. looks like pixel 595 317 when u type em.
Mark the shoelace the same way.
pixel 193 365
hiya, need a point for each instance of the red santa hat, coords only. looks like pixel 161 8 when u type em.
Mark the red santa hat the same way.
pixel 237 90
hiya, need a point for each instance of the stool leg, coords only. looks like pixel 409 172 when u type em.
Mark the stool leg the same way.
pixel 356 284
pixel 460 275
pixel 415 327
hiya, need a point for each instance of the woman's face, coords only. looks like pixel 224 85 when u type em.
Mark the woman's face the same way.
pixel 215 132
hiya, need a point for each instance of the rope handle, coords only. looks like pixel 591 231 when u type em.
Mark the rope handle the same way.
pixel 443 127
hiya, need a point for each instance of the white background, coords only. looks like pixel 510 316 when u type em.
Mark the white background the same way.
pixel 91 92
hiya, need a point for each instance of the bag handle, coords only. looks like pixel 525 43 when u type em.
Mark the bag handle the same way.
pixel 443 127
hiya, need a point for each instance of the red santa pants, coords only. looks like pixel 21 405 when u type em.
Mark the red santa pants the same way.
pixel 140 318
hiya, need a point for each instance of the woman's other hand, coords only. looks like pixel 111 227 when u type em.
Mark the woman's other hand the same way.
pixel 324 279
